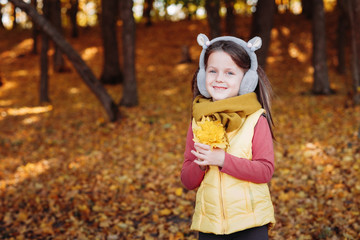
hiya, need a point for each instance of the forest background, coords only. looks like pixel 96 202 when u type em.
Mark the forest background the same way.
pixel 91 145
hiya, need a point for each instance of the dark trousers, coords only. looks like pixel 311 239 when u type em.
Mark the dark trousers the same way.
pixel 257 233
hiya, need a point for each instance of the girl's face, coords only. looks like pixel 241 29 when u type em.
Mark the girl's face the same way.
pixel 223 76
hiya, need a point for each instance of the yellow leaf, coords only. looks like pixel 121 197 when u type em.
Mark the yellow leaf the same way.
pixel 165 212
pixel 178 192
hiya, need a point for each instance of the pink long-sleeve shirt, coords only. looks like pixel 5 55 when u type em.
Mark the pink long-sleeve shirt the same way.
pixel 259 170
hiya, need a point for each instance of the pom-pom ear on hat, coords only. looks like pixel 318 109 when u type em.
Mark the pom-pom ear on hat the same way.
pixel 254 43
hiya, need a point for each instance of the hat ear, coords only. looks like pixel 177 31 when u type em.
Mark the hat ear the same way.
pixel 203 40
pixel 254 43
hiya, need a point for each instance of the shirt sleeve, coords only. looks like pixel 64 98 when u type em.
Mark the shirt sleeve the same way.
pixel 261 168
pixel 191 174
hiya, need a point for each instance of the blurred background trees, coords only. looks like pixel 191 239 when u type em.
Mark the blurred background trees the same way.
pixel 71 17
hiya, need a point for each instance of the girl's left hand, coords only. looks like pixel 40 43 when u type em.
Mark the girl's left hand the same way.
pixel 205 156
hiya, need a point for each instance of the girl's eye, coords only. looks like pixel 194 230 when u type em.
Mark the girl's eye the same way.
pixel 212 71
pixel 230 73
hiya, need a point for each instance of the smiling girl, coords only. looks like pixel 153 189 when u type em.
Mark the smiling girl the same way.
pixel 233 199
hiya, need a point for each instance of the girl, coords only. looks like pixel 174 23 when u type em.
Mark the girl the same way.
pixel 233 199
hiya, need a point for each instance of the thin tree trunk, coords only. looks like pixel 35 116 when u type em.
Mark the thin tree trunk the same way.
pixel 55 19
pixel 130 97
pixel 354 16
pixel 111 69
pixel 44 62
pixel 73 13
pixel 84 71
pixel 35 31
pixel 14 26
pixel 307 8
pixel 213 16
pixel 44 65
pixel 1 23
pixel 341 37
pixel 262 23
pixel 321 80
pixel 148 6
pixel 230 18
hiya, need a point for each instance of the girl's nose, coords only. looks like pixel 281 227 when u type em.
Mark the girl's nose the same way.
pixel 219 78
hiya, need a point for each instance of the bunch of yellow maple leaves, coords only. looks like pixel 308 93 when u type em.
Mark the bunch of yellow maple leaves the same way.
pixel 210 132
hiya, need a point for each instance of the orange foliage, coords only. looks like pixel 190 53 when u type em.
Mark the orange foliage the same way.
pixel 66 172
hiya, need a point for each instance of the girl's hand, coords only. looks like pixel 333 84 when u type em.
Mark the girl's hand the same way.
pixel 206 157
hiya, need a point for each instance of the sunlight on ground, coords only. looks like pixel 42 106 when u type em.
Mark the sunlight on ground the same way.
pixel 74 90
pixel 20 48
pixel 30 120
pixel 169 92
pixel 6 102
pixel 20 73
pixel 89 53
pixel 24 172
pixel 8 86
pixel 28 110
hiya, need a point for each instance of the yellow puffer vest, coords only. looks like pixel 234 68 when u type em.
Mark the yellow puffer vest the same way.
pixel 225 204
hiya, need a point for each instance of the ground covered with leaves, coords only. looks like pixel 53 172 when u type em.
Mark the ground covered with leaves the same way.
pixel 68 173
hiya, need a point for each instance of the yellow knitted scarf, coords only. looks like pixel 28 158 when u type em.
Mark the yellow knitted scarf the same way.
pixel 231 112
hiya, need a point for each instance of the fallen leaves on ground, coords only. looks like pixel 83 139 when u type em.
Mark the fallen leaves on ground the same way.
pixel 67 173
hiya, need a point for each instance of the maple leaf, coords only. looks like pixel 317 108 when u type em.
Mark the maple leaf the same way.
pixel 210 132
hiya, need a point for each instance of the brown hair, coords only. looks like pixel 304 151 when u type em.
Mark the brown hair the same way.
pixel 263 90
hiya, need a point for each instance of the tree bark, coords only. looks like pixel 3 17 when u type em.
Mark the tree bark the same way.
pixel 321 83
pixel 73 13
pixel 111 69
pixel 14 26
pixel 148 6
pixel 213 16
pixel 130 97
pixel 307 9
pixel 55 19
pixel 35 31
pixel 341 36
pixel 230 18
pixel 44 62
pixel 84 71
pixel 262 23
pixel 354 16
pixel 1 23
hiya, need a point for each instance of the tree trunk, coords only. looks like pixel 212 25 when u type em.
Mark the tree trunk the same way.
pixel 262 24
pixel 73 13
pixel 307 9
pixel 354 16
pixel 213 16
pixel 1 23
pixel 111 69
pixel 130 97
pixel 148 5
pixel 14 26
pixel 341 37
pixel 84 71
pixel 44 65
pixel 230 18
pixel 35 31
pixel 55 19
pixel 321 80
pixel 44 62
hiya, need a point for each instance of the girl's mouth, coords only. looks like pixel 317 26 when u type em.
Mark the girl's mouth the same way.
pixel 219 88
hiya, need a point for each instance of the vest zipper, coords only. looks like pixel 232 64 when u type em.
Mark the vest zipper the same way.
pixel 222 205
